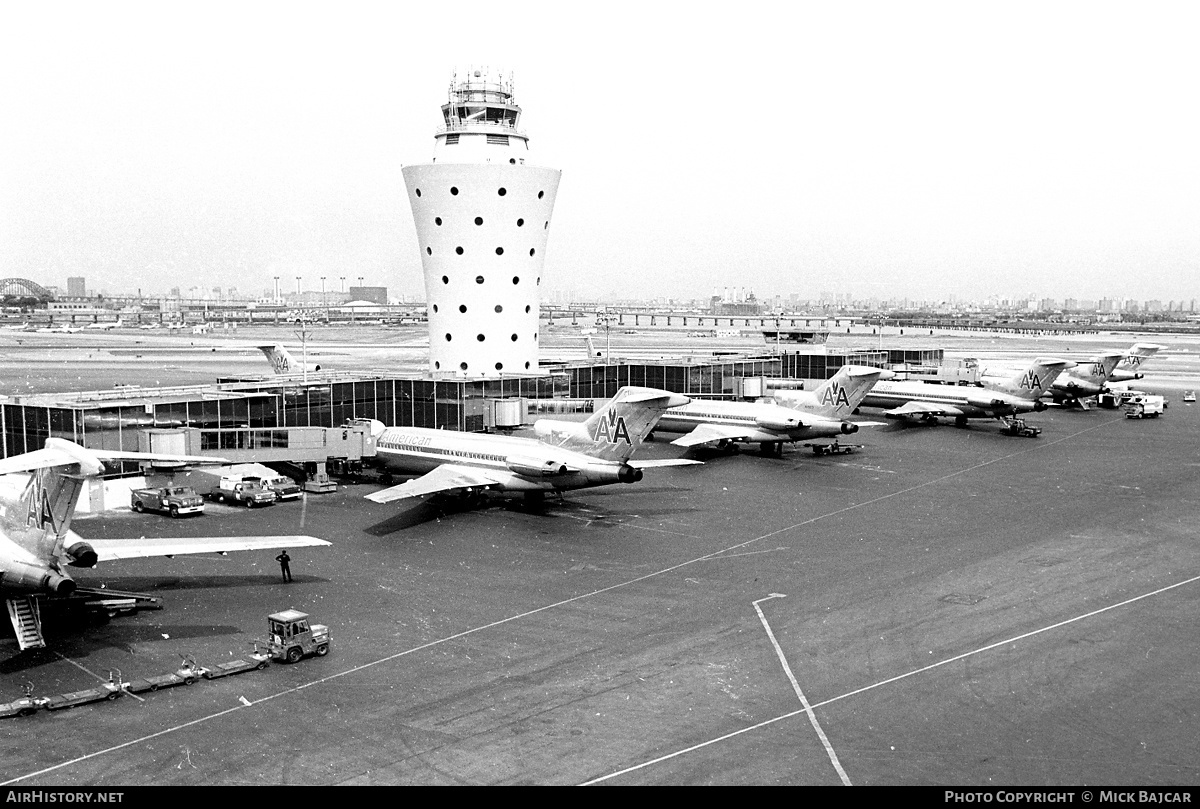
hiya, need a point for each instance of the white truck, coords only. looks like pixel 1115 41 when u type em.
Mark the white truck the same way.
pixel 246 490
pixel 284 487
pixel 1145 406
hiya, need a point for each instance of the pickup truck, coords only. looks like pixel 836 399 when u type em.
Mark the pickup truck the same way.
pixel 174 500
pixel 247 490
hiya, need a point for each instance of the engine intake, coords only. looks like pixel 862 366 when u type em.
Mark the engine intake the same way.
pixel 849 427
pixel 82 554
pixel 629 474
pixel 536 467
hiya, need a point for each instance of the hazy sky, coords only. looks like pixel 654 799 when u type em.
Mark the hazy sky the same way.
pixel 920 148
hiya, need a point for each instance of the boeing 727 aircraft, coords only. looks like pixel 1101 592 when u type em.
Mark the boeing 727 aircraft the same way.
pixel 37 543
pixel 1073 385
pixel 567 455
pixel 283 362
pixel 1130 366
pixel 928 401
pixel 790 416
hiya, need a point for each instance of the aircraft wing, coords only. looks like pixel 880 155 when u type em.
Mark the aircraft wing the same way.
pixel 55 456
pixel 924 409
pixel 711 433
pixel 664 462
pixel 108 550
pixel 446 478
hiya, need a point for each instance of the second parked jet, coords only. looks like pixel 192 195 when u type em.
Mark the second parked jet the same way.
pixel 791 416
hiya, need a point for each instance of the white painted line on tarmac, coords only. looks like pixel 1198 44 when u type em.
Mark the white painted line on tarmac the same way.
pixel 888 681
pixel 812 717
pixel 564 602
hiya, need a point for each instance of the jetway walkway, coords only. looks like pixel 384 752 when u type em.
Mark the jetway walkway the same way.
pixel 310 448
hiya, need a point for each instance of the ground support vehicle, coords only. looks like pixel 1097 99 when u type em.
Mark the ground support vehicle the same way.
pixel 1146 406
pixel 186 674
pixel 257 661
pixel 1189 396
pixel 834 448
pixel 23 706
pixel 246 490
pixel 174 500
pixel 284 487
pixel 1020 428
pixel 106 691
pixel 293 637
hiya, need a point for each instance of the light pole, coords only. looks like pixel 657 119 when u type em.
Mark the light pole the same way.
pixel 277 289
pixel 323 293
pixel 297 286
pixel 343 279
pixel 302 332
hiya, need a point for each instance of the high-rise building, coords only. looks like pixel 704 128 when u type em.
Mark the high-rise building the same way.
pixel 482 211
pixel 76 287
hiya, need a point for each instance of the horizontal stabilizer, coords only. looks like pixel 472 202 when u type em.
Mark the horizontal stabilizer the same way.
pixel 664 462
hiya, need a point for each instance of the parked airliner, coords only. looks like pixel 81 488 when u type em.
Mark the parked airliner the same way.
pixel 787 417
pixel 927 401
pixel 566 455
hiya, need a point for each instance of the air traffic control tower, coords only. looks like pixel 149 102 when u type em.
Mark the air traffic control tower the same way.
pixel 482 211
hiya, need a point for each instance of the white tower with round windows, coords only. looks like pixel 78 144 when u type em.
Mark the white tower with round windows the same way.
pixel 483 215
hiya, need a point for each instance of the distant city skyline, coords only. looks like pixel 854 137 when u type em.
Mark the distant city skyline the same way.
pixel 925 150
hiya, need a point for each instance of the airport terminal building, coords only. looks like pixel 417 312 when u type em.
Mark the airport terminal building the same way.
pixel 235 411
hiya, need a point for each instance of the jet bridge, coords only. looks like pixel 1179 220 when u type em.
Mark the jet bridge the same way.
pixel 310 448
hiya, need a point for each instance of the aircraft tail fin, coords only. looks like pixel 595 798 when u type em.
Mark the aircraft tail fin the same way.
pixel 282 361
pixel 616 430
pixel 1035 380
pixel 841 394
pixel 1098 369
pixel 1130 365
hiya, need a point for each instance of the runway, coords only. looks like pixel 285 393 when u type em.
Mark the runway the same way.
pixel 944 606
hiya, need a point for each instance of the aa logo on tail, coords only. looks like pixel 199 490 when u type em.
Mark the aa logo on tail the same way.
pixel 1134 359
pixel 835 396
pixel 1097 368
pixel 612 430
pixel 1031 380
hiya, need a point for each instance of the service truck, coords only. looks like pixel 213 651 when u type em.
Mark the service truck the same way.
pixel 174 500
pixel 1146 406
pixel 284 487
pixel 249 491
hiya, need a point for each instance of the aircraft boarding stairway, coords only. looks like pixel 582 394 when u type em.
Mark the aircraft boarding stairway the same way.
pixel 27 622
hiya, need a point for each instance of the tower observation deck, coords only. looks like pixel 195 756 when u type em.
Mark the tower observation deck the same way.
pixel 482 212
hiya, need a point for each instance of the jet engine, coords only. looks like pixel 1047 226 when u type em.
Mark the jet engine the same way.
pixel 778 422
pixel 629 474
pixel 81 554
pixel 535 467
pixel 849 427
pixel 22 577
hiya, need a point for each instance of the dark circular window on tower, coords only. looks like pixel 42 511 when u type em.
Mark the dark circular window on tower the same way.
pixel 513 338
pixel 526 310
pixel 458 250
pixel 448 337
pixel 436 365
pixel 532 251
pixel 499 366
pixel 418 192
pixel 454 190
pixel 479 279
pixel 499 251
pixel 502 191
pixel 479 220
pixel 435 308
pixel 429 251
pixel 480 337
pixel 527 365
pixel 516 279
pixel 462 365
pixel 520 223
pixel 541 194
pixel 437 220
pixel 445 279
pixel 463 308
pixel 499 308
